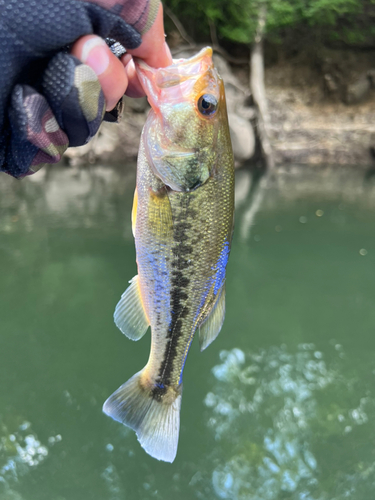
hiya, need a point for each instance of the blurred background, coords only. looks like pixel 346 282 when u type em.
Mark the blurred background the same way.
pixel 318 81
pixel 282 404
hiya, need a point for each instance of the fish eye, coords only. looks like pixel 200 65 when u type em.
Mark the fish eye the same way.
pixel 207 104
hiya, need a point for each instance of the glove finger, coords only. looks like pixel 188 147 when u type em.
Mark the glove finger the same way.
pixel 75 96
pixel 36 138
pixel 93 51
pixel 139 16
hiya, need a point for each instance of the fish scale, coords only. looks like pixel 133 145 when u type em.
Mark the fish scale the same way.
pixel 182 224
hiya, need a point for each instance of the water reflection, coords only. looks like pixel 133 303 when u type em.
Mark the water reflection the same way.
pixel 88 196
pixel 77 198
pixel 280 420
pixel 20 451
pixel 293 183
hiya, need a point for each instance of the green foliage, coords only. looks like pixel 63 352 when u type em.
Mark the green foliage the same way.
pixel 328 12
pixel 346 21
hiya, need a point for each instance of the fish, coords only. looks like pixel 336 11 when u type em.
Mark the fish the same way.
pixel 182 221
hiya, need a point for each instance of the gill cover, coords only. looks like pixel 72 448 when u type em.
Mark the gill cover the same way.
pixel 181 130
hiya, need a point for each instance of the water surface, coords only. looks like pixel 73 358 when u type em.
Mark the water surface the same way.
pixel 281 405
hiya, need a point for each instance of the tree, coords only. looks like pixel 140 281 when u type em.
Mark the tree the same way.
pixel 344 21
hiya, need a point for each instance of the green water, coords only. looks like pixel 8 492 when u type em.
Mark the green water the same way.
pixel 280 406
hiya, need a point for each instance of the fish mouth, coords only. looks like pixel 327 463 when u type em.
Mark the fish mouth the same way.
pixel 176 68
pixel 178 78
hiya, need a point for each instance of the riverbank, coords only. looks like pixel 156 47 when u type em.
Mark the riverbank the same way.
pixel 322 111
pixel 312 123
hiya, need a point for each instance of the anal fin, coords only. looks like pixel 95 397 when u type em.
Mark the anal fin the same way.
pixel 130 316
pixel 210 329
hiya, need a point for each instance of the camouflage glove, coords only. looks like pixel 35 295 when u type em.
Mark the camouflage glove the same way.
pixel 49 100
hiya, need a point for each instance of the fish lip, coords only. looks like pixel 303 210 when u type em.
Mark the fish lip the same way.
pixel 204 52
pixel 151 78
pixel 140 63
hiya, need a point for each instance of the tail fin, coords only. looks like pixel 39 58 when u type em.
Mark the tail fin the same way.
pixel 156 422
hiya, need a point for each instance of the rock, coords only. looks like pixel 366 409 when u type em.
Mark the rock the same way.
pixel 358 91
pixel 242 135
pixel 115 142
pixel 235 93
pixel 248 113
pixel 371 77
pixel 330 84
pixel 239 112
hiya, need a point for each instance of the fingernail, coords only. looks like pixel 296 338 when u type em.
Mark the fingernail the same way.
pixel 95 55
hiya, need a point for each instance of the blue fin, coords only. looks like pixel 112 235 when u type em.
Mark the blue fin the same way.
pixel 156 422
pixel 210 329
pixel 130 316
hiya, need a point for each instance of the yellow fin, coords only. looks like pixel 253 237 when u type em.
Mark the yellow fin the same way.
pixel 134 211
pixel 130 316
pixel 160 214
pixel 212 326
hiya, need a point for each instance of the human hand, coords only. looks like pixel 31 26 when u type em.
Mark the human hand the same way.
pixel 47 104
pixel 118 76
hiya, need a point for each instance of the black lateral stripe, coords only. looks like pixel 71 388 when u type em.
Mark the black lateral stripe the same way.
pixel 178 296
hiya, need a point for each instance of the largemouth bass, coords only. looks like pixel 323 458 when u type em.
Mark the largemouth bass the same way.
pixel 182 223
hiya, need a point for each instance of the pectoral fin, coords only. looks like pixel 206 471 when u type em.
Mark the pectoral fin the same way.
pixel 160 222
pixel 212 326
pixel 130 316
